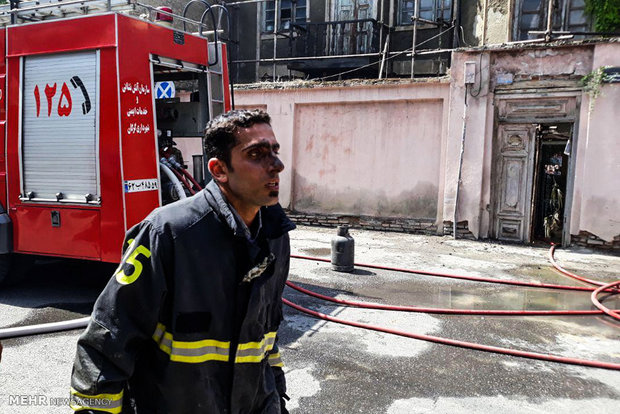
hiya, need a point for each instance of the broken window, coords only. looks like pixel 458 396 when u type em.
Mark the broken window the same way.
pixel 290 12
pixel 531 15
pixel 436 10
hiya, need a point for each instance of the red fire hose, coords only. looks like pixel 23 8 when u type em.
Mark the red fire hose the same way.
pixel 189 176
pixel 603 287
pixel 184 181
pixel 460 344
pixel 595 301
pixel 462 277
pixel 545 357
pixel 186 173
pixel 367 305
pixel 570 274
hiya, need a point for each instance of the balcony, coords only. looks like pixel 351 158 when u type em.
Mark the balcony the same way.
pixel 339 44
pixel 346 37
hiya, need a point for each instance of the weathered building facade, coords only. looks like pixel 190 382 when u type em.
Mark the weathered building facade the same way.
pixel 520 149
pixel 318 38
pixel 342 39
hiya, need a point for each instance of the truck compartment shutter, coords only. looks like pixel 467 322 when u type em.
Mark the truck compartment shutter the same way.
pixel 59 146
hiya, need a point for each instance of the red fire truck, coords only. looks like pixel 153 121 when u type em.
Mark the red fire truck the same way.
pixel 87 119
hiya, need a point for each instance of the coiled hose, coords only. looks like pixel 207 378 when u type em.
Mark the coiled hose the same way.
pixel 462 344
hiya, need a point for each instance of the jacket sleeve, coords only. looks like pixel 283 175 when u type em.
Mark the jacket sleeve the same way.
pixel 275 361
pixel 274 357
pixel 124 318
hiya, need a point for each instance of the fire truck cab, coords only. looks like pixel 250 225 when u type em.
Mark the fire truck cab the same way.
pixel 87 112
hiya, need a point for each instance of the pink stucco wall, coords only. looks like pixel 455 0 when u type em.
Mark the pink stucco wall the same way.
pixel 362 150
pixel 596 207
pixel 471 103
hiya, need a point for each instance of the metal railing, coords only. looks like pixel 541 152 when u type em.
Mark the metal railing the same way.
pixel 337 38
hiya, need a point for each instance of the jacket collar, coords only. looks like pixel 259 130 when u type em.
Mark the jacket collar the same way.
pixel 273 218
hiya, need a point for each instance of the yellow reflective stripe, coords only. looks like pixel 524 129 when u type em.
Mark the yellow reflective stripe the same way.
pixel 258 345
pixel 255 351
pixel 200 344
pixel 109 403
pixel 213 350
pixel 159 332
pixel 249 359
pixel 165 343
pixel 198 359
pixel 191 351
pixel 275 360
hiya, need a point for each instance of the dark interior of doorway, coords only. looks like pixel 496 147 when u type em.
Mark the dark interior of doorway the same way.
pixel 553 146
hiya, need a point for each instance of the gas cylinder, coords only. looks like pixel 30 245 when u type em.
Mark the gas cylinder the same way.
pixel 343 250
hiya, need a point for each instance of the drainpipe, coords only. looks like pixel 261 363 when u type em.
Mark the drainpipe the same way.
pixel 468 79
pixel 484 22
pixel 549 21
pixel 382 6
pixel 416 15
pixel 456 21
pixel 385 49
pixel 458 180
pixel 276 21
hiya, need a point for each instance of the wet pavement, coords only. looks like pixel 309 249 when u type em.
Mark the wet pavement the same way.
pixel 336 368
pixel 332 368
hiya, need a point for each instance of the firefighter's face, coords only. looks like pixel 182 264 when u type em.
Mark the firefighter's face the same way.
pixel 252 180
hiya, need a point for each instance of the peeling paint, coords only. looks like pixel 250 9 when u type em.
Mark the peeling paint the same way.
pixel 497 23
pixel 304 84
pixel 499 6
pixel 549 63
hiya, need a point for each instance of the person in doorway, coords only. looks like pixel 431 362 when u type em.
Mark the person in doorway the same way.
pixel 188 322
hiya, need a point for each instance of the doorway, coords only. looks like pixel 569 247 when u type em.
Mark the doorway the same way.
pixel 532 177
pixel 532 180
pixel 553 145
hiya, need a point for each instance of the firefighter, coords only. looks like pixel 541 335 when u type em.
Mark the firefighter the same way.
pixel 188 323
pixel 168 148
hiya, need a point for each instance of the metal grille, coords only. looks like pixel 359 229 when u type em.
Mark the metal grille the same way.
pixel 59 145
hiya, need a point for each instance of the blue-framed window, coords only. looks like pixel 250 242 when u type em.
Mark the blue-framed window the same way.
pixel 290 12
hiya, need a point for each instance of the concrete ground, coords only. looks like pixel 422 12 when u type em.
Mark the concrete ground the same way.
pixel 333 368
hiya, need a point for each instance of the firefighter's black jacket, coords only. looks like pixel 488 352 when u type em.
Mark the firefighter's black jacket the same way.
pixel 188 322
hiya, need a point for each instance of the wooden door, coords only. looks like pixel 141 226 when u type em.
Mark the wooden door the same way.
pixel 515 148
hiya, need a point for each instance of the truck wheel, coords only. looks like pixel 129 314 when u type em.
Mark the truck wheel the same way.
pixel 13 267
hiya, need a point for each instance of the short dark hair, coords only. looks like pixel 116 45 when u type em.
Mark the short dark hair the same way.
pixel 220 137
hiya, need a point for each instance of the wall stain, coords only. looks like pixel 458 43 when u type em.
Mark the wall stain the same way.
pixel 419 202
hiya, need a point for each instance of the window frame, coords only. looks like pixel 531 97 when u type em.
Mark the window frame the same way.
pixel 438 6
pixel 562 19
pixel 294 15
